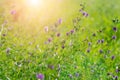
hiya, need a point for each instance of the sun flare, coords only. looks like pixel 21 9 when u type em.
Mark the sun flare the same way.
pixel 33 3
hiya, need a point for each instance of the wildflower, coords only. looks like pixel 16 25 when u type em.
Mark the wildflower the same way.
pixel 46 29
pixel 99 41
pixel 89 43
pixel 40 76
pixel 8 50
pixel 101 51
pixel 58 34
pixel 60 21
pixel 85 14
pixel 113 57
pixel 102 41
pixel 63 46
pixel 50 39
pixel 13 12
pixel 114 29
pixel 51 66
pixel 72 31
pixel 88 50
pixel 67 33
pixel 117 70
pixel 116 77
pixel 114 37
pixel 77 74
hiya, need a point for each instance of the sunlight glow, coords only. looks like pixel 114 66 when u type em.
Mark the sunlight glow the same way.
pixel 34 3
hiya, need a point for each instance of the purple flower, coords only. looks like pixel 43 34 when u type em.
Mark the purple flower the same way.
pixel 89 43
pixel 113 57
pixel 72 31
pixel 88 50
pixel 117 70
pixel 114 29
pixel 46 29
pixel 67 33
pixel 40 76
pixel 13 12
pixel 77 74
pixel 50 39
pixel 116 77
pixel 101 51
pixel 8 50
pixel 58 34
pixel 114 37
pixel 51 66
pixel 85 14
pixel 102 41
pixel 63 46
pixel 60 21
pixel 99 41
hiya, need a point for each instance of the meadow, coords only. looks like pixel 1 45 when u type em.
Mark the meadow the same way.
pixel 60 40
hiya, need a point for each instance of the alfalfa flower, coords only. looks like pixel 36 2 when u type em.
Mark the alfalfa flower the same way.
pixel 46 28
pixel 40 76
pixel 13 12
pixel 115 29
pixel 60 21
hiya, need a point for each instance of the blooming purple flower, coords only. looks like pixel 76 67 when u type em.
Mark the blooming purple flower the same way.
pixel 89 43
pixel 117 70
pixel 67 33
pixel 85 14
pixel 63 46
pixel 8 50
pixel 40 76
pixel 60 21
pixel 88 50
pixel 102 41
pixel 13 12
pixel 46 28
pixel 58 34
pixel 77 74
pixel 114 37
pixel 113 57
pixel 72 31
pixel 115 29
pixel 51 66
pixel 99 41
pixel 101 51
pixel 50 39
pixel 116 77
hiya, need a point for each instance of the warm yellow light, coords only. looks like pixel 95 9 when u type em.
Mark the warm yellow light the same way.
pixel 34 3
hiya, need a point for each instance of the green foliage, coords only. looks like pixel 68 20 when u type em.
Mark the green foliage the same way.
pixel 81 48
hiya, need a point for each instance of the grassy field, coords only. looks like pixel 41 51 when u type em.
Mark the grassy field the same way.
pixel 60 40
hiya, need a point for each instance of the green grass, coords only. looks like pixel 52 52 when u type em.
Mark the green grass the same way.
pixel 24 54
